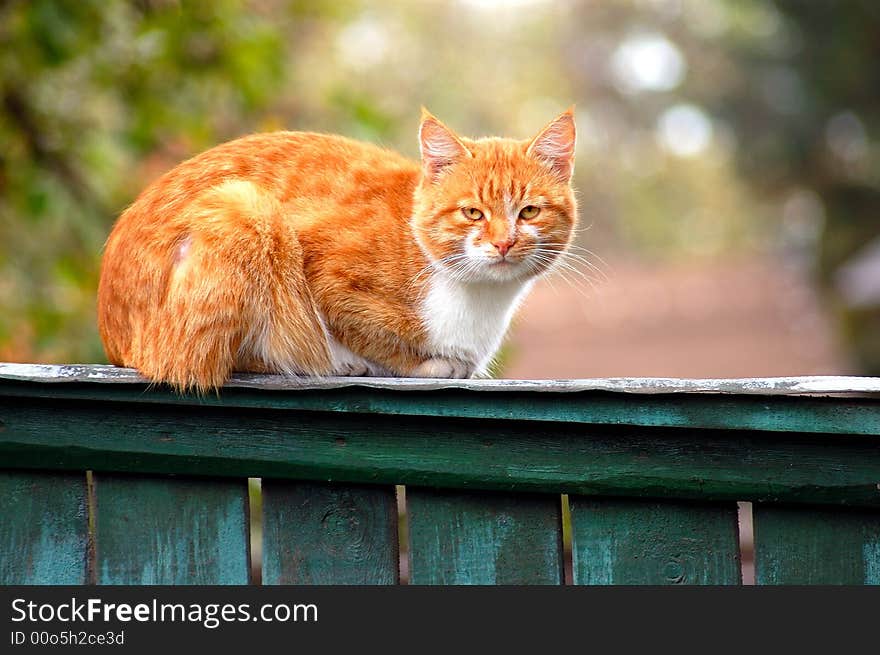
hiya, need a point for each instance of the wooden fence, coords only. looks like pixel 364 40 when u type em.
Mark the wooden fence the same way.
pixel 652 470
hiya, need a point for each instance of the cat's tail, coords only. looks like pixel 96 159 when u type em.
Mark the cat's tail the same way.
pixel 235 297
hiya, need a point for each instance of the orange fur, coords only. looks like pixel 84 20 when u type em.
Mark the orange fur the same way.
pixel 277 252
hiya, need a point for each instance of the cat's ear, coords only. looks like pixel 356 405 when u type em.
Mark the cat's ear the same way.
pixel 439 145
pixel 554 145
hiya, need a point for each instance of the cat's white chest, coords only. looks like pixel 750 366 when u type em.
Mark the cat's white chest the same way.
pixel 468 321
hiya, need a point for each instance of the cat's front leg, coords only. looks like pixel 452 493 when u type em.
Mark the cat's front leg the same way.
pixel 441 367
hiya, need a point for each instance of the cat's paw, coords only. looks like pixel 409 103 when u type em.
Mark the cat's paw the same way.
pixel 353 369
pixel 438 367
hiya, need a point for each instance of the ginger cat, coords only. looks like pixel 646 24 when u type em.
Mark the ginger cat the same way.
pixel 312 254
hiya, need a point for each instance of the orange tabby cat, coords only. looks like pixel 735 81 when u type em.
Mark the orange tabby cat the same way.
pixel 303 253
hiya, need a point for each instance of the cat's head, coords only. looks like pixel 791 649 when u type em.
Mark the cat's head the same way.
pixel 495 209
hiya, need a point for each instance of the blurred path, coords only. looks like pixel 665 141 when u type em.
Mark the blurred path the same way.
pixel 743 318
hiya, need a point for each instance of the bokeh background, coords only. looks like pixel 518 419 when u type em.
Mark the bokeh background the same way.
pixel 728 163
pixel 728 167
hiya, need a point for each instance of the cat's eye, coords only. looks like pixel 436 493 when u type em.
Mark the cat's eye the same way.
pixel 472 213
pixel 529 212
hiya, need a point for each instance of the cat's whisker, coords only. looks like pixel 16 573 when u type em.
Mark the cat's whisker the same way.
pixel 568 255
pixel 559 274
pixel 552 284
pixel 463 270
pixel 434 266
pixel 593 254
pixel 580 230
pixel 565 269
pixel 585 293
pixel 572 247
pixel 586 262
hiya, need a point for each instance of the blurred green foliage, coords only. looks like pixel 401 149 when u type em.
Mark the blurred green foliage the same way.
pixel 807 111
pixel 705 126
pixel 90 91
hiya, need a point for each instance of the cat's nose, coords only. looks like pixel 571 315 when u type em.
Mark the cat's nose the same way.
pixel 503 246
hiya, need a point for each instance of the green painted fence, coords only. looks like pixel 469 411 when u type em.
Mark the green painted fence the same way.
pixel 105 479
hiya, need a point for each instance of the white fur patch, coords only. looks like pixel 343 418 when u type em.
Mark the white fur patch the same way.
pixel 183 250
pixel 345 362
pixel 472 249
pixel 255 344
pixel 530 230
pixel 467 321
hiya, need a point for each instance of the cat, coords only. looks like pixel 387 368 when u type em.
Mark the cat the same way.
pixel 310 254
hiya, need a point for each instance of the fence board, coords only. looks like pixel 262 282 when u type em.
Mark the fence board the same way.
pixel 774 404
pixel 378 449
pixel 624 541
pixel 165 530
pixel 44 528
pixel 317 533
pixel 768 441
pixel 812 545
pixel 484 538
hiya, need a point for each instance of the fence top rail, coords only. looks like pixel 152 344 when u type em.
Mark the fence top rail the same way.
pixel 822 385
pixel 802 440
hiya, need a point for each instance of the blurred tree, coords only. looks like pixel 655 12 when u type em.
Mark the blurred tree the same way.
pixel 88 91
pixel 804 108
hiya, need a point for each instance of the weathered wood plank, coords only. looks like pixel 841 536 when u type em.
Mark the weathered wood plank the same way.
pixel 771 405
pixel 484 538
pixel 315 533
pixel 44 528
pixel 164 530
pixel 811 384
pixel 452 453
pixel 636 542
pixel 813 545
